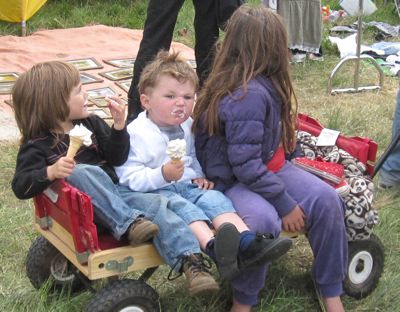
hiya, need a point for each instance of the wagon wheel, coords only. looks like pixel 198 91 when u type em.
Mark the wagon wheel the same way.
pixel 44 262
pixel 125 295
pixel 366 260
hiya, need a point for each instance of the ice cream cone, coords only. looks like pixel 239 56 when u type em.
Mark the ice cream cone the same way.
pixel 74 144
pixel 176 149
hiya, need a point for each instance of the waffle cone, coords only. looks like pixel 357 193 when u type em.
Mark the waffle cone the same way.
pixel 175 160
pixel 74 144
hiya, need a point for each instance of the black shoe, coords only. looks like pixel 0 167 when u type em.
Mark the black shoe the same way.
pixel 384 186
pixel 226 247
pixel 264 249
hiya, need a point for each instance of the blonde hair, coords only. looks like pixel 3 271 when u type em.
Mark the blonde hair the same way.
pixel 170 64
pixel 40 97
pixel 255 44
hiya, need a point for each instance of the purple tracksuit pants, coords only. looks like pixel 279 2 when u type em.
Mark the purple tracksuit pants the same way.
pixel 324 212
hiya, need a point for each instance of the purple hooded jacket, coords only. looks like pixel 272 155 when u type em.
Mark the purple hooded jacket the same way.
pixel 250 134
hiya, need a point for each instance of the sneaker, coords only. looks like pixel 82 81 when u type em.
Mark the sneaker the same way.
pixel 264 249
pixel 298 58
pixel 226 248
pixel 384 186
pixel 141 231
pixel 315 57
pixel 198 277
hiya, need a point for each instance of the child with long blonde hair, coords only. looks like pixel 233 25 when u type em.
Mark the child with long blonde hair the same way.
pixel 243 122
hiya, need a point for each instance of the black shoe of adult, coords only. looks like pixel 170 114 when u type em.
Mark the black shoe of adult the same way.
pixel 264 249
pixel 226 248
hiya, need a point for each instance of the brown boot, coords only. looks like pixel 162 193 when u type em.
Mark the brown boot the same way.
pixel 141 230
pixel 198 276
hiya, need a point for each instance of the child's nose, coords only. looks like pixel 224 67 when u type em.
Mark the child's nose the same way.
pixel 180 101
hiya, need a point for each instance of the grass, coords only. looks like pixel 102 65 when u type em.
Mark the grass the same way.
pixel 289 286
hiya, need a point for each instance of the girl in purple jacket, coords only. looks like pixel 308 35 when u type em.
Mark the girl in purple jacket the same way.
pixel 243 121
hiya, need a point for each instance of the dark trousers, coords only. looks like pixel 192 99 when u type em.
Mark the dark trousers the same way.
pixel 210 15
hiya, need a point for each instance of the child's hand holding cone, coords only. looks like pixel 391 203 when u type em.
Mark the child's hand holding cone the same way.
pixel 173 170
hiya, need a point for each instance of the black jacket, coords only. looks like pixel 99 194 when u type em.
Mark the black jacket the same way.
pixel 109 148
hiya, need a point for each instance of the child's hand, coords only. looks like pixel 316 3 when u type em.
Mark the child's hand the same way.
pixel 204 183
pixel 173 170
pixel 294 221
pixel 118 111
pixel 60 169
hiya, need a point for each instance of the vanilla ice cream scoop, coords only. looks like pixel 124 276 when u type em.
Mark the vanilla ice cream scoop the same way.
pixel 83 133
pixel 176 149
pixel 77 136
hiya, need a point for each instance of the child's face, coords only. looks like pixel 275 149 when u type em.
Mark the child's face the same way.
pixel 78 103
pixel 170 102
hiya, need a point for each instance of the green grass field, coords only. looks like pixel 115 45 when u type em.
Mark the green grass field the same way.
pixel 289 287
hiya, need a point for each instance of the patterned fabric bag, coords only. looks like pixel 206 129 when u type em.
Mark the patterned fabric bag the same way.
pixel 360 216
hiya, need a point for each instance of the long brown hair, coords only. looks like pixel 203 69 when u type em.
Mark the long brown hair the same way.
pixel 255 44
pixel 40 98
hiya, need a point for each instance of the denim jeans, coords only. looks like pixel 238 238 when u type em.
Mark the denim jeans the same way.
pixel 390 171
pixel 191 203
pixel 116 207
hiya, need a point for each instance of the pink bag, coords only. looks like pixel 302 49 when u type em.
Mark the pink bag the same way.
pixel 326 170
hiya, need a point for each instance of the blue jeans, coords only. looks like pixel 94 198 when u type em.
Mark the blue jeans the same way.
pixel 191 203
pixel 116 207
pixel 390 170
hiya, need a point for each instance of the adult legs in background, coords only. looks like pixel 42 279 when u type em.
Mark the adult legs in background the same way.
pixel 157 35
pixel 304 25
pixel 206 33
pixel 210 17
pixel 158 31
pixel 390 171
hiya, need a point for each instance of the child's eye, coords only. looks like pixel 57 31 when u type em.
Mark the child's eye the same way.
pixel 170 96
pixel 188 97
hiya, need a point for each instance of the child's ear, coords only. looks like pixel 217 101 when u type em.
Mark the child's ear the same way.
pixel 144 99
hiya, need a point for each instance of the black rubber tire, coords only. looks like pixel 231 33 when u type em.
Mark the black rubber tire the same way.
pixel 44 261
pixel 366 261
pixel 127 294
